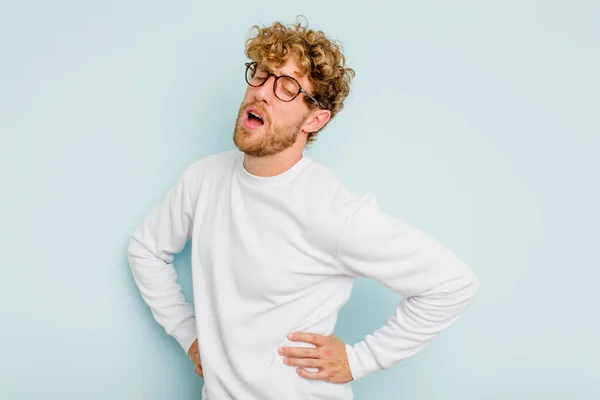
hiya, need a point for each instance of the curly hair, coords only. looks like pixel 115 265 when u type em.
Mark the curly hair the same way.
pixel 318 57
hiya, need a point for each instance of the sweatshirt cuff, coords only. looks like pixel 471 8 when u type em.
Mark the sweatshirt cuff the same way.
pixel 186 334
pixel 361 360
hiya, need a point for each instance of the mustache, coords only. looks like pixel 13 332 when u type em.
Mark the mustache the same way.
pixel 259 106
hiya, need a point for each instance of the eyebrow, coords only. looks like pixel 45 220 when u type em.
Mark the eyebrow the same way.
pixel 294 74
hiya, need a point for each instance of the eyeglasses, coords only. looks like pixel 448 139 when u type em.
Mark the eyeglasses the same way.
pixel 285 87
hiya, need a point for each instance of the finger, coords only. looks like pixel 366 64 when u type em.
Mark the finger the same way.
pixel 193 352
pixel 321 375
pixel 303 362
pixel 300 352
pixel 195 357
pixel 307 337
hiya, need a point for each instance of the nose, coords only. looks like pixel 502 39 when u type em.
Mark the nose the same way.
pixel 265 91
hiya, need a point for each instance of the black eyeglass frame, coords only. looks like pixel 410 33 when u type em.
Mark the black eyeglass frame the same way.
pixel 300 89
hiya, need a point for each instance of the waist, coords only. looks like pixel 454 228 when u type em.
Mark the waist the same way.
pixel 243 363
pixel 277 382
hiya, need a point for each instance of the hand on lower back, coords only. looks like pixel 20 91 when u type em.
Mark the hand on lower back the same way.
pixel 194 353
pixel 329 357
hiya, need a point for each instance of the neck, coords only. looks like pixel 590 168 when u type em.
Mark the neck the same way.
pixel 272 165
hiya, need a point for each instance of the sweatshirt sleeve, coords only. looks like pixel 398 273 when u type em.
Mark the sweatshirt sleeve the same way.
pixel 151 249
pixel 435 285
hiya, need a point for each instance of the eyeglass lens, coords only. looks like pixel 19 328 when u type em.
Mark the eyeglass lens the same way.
pixel 286 88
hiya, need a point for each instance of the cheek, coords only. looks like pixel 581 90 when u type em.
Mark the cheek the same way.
pixel 287 112
pixel 291 115
pixel 247 95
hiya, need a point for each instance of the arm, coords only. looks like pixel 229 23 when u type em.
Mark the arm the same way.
pixel 436 286
pixel 151 250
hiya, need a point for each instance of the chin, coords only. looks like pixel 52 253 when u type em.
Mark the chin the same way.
pixel 263 142
pixel 244 141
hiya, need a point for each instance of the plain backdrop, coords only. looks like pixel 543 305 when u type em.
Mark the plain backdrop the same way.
pixel 476 121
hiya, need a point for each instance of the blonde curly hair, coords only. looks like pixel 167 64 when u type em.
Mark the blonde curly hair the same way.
pixel 318 57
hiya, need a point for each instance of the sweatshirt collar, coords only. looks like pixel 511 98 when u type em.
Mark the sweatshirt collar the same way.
pixel 283 177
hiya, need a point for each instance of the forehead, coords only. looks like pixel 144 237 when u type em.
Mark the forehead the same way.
pixel 289 68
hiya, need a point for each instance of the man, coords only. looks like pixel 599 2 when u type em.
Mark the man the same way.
pixel 278 242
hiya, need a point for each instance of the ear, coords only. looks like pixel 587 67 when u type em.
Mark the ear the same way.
pixel 316 120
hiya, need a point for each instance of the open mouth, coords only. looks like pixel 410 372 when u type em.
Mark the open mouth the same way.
pixel 254 119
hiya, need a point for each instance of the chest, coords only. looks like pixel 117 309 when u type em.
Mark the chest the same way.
pixel 265 249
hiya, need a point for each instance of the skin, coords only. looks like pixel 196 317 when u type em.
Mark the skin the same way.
pixel 329 357
pixel 279 143
pixel 268 151
pixel 194 354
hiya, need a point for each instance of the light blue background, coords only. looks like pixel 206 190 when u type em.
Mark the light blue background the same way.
pixel 476 121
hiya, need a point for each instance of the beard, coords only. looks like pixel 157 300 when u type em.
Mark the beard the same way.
pixel 263 144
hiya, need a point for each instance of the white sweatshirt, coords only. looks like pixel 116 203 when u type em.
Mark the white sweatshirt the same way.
pixel 280 254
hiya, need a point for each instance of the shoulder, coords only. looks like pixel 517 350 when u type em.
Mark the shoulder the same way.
pixel 328 205
pixel 330 199
pixel 213 166
pixel 213 162
pixel 210 168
